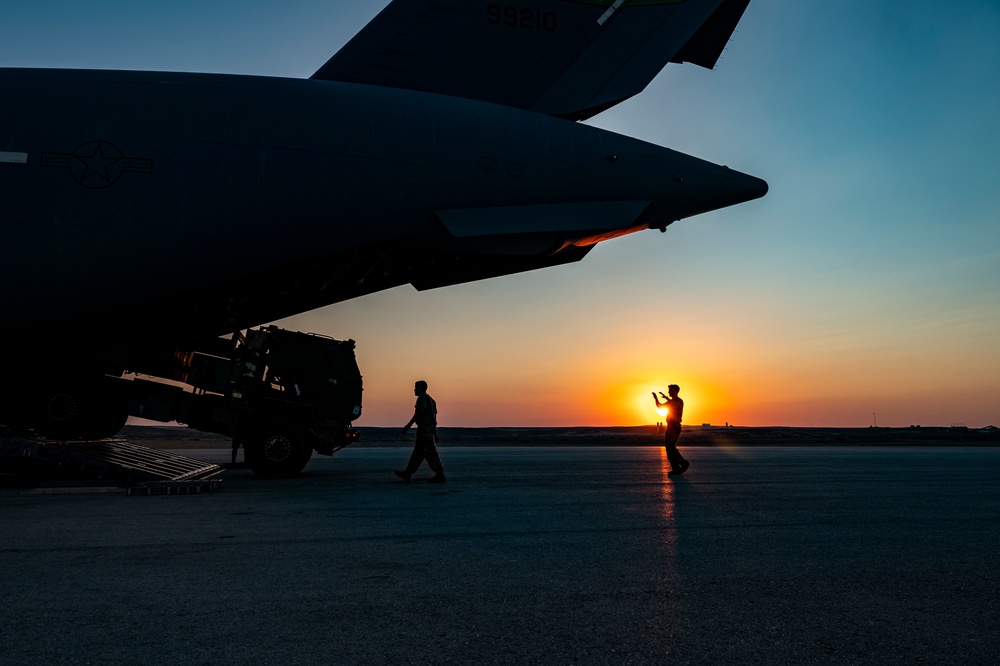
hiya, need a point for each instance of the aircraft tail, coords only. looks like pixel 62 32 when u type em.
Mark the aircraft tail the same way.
pixel 566 58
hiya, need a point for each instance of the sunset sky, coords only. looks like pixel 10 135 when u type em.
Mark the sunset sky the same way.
pixel 866 282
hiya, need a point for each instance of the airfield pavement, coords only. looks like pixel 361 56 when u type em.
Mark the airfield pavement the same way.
pixel 529 555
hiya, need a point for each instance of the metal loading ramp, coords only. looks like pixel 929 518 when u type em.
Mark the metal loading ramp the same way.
pixel 140 469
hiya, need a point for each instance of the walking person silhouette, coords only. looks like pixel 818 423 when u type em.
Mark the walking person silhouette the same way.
pixel 425 417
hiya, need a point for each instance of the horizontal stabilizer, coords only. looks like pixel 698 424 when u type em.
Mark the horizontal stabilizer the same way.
pixel 566 58
pixel 710 41
pixel 588 216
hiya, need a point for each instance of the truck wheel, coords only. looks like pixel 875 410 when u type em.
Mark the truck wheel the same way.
pixel 63 412
pixel 277 451
pixel 106 419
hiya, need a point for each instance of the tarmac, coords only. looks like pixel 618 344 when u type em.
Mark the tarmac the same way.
pixel 551 555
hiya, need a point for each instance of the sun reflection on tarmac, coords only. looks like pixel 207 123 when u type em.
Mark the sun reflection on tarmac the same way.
pixel 667 546
pixel 668 506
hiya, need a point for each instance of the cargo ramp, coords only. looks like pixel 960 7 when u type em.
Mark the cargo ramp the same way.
pixel 139 469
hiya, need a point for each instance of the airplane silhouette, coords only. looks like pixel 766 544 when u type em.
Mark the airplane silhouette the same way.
pixel 438 146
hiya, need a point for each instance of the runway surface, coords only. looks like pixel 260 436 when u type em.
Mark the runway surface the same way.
pixel 527 556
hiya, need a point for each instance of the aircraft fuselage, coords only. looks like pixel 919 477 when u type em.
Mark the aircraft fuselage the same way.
pixel 208 203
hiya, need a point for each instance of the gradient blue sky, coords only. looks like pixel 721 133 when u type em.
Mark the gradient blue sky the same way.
pixel 867 281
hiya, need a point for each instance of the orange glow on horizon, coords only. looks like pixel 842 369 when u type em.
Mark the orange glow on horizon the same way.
pixel 606 396
pixel 631 402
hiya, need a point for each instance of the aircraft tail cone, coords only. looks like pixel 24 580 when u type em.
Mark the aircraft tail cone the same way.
pixel 742 187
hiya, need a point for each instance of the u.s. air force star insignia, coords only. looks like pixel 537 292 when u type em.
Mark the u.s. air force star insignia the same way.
pixel 97 164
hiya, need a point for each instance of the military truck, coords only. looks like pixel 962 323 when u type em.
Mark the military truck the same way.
pixel 280 394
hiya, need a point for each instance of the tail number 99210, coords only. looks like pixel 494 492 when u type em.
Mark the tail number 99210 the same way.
pixel 521 17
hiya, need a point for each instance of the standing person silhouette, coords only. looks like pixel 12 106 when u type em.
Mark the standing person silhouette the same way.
pixel 425 416
pixel 675 411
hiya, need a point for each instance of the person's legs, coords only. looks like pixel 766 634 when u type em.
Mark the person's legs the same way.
pixel 431 455
pixel 416 457
pixel 677 462
pixel 424 449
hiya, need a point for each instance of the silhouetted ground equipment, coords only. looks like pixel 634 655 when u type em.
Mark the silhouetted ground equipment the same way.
pixel 279 394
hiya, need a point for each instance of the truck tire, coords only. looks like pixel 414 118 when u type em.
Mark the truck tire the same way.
pixel 277 451
pixel 85 409
pixel 106 419
pixel 63 412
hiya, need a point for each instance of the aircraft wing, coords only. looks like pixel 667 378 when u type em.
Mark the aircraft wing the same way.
pixel 566 58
